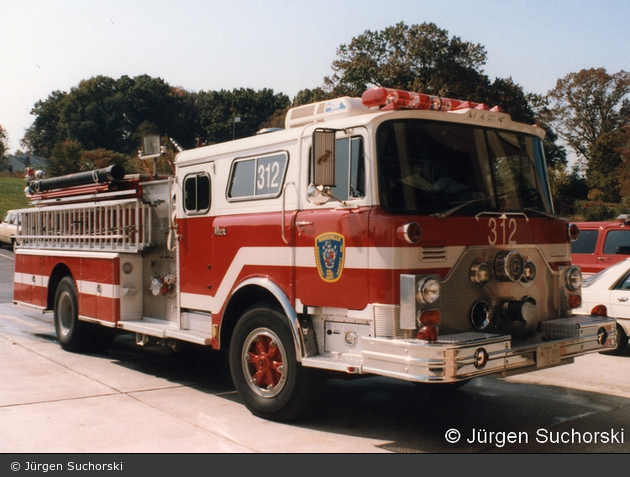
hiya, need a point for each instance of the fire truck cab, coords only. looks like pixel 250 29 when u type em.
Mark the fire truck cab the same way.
pixel 397 234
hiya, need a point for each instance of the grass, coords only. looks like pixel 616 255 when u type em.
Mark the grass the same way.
pixel 12 194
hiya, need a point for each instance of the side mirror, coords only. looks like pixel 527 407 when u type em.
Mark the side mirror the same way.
pixel 324 143
pixel 316 195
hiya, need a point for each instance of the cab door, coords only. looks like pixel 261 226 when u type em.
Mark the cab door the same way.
pixel 615 248
pixel 196 243
pixel 332 239
pixel 620 298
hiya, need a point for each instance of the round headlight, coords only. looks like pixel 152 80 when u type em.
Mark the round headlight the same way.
pixel 428 291
pixel 574 278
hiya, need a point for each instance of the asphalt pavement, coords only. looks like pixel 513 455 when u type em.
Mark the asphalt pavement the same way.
pixel 156 401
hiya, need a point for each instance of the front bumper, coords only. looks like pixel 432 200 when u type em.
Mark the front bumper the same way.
pixel 463 356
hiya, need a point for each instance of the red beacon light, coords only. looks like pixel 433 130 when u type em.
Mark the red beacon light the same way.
pixel 388 98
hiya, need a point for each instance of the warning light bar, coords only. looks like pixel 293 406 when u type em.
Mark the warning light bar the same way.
pixel 387 98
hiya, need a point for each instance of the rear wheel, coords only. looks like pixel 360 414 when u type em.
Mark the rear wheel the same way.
pixel 73 334
pixel 622 342
pixel 265 372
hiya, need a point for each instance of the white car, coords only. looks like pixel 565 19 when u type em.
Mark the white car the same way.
pixel 610 288
pixel 9 228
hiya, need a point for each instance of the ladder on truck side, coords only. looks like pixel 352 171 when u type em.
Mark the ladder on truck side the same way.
pixel 115 226
pixel 130 226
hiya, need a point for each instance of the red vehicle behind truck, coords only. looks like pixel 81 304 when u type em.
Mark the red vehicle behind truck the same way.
pixel 397 234
pixel 601 244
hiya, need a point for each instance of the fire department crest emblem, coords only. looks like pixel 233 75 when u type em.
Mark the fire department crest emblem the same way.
pixel 329 256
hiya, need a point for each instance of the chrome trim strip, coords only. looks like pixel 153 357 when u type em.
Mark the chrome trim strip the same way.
pixel 456 357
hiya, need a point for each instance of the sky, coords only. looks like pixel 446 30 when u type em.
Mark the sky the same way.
pixel 283 45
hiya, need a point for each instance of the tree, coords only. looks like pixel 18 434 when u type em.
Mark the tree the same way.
pixel 4 148
pixel 566 186
pixel 101 158
pixel 65 158
pixel 587 104
pixel 422 58
pixel 307 96
pixel 4 142
pixel 417 58
pixel 589 110
pixel 94 114
pixel 103 113
pixel 604 163
pixel 218 110
pixel 170 109
pixel 69 157
pixel 623 170
pixel 555 154
pixel 47 129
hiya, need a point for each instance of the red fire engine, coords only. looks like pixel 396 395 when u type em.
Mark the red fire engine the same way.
pixel 397 234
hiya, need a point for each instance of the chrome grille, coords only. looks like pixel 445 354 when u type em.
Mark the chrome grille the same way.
pixel 459 293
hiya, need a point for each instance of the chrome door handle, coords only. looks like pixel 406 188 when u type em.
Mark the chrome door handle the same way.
pixel 304 223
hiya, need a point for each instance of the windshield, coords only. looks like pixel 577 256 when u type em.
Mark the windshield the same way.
pixel 435 167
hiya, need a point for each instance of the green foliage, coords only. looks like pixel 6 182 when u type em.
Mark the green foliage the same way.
pixel 623 170
pixel 605 159
pixel 69 157
pixel 566 187
pixel 423 58
pixel 65 158
pixel 587 104
pixel 597 210
pixel 47 129
pixel 219 109
pixel 416 58
pixel 103 113
pixel 589 110
pixel 106 114
pixel 307 96
pixel 4 148
pixel 12 194
pixel 101 158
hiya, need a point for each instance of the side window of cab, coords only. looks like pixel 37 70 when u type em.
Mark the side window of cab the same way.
pixel 196 193
pixel 349 169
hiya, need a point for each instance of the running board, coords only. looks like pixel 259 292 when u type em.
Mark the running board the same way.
pixel 165 331
pixel 338 362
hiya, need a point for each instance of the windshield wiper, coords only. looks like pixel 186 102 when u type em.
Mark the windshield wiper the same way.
pixel 544 214
pixel 441 215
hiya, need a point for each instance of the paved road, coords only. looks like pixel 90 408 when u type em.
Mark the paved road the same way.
pixel 134 400
pixel 7 263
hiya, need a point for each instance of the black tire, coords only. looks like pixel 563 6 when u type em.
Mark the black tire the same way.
pixel 622 342
pixel 264 369
pixel 443 388
pixel 73 335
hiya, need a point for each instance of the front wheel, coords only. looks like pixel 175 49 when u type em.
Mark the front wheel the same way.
pixel 265 372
